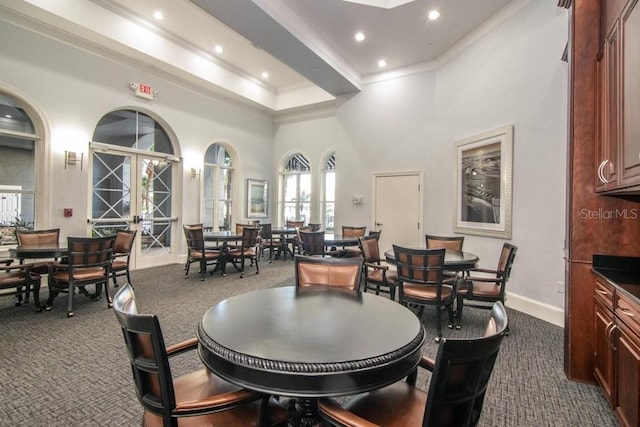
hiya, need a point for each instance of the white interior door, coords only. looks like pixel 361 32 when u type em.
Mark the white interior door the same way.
pixel 134 190
pixel 398 209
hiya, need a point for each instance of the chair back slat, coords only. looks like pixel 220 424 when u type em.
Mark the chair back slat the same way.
pixel 453 243
pixel 311 242
pixel 461 374
pixel 49 237
pixel 370 249
pixel 350 231
pixel 194 233
pixel 147 355
pixel 421 266
pixel 124 241
pixel 343 273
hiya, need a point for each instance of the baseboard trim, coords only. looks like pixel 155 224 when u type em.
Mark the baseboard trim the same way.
pixel 537 309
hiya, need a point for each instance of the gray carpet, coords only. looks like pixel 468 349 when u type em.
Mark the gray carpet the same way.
pixel 74 372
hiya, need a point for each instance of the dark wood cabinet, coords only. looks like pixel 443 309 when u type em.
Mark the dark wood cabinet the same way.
pixel 617 154
pixel 627 361
pixel 603 354
pixel 630 63
pixel 617 349
pixel 608 113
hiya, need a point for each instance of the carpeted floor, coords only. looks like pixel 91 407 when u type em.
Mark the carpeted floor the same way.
pixel 74 372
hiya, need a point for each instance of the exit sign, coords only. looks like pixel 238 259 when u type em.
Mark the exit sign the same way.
pixel 144 91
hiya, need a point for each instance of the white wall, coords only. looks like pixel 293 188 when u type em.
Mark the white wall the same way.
pixel 511 75
pixel 73 89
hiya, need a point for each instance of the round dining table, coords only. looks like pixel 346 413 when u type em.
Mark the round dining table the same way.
pixel 307 343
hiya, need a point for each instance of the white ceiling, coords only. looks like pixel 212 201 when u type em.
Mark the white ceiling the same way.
pixel 307 46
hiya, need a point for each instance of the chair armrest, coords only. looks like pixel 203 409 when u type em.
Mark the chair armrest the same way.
pixel 427 363
pixel 483 279
pixel 483 270
pixel 25 267
pixel 217 402
pixel 332 410
pixel 377 266
pixel 182 347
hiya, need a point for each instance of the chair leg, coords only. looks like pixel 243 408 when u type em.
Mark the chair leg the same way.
pixel 70 301
pixel 459 307
pixel 438 323
pixel 106 293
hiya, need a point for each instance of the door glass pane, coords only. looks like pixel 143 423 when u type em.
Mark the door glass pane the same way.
pixel 111 186
pixel 305 187
pixel 14 118
pixel 155 204
pixel 208 200
pixel 132 129
pixel 111 196
pixel 290 188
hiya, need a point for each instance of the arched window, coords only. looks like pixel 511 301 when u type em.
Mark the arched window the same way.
pixel 218 187
pixel 329 194
pixel 296 189
pixel 18 145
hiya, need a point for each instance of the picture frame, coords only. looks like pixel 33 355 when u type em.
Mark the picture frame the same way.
pixel 483 183
pixel 257 198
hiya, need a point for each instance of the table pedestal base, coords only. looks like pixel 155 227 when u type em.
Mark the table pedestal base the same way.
pixel 304 413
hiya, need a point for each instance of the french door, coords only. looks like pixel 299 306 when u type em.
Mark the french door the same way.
pixel 134 190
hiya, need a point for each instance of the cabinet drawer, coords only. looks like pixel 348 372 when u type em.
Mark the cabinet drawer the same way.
pixel 628 311
pixel 604 292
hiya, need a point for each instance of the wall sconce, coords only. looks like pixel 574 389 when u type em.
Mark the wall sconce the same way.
pixel 195 174
pixel 71 158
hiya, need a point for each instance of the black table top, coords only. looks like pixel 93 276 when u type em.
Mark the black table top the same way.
pixel 453 260
pixel 40 251
pixel 310 343
pixel 332 239
pixel 222 236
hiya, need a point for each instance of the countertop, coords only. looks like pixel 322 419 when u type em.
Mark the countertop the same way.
pixel 621 272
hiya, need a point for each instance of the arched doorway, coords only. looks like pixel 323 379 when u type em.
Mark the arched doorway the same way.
pixel 133 179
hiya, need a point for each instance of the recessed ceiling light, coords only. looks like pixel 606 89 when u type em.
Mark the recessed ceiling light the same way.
pixel 434 14
pixel 158 15
pixel 8 116
pixel 382 63
pixel 359 36
pixel 265 75
pixel 218 49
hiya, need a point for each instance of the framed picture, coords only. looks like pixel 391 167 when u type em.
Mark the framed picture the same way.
pixel 257 198
pixel 483 184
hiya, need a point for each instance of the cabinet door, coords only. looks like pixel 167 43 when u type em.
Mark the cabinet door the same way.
pixel 603 351
pixel 628 376
pixel 609 111
pixel 630 149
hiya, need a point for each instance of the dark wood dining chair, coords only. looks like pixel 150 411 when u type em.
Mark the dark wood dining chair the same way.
pixel 460 376
pixel 248 249
pixel 484 285
pixel 311 242
pixel 122 255
pixel 377 273
pixel 268 241
pixel 20 279
pixel 421 282
pixel 88 263
pixel 453 243
pixel 197 252
pixel 35 238
pixel 349 231
pixel 294 241
pixel 335 273
pixel 198 398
